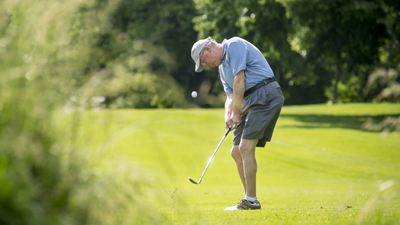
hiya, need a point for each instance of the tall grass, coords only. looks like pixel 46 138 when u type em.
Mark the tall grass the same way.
pixel 45 178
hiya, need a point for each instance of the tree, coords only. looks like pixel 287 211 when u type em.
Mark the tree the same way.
pixel 341 35
pixel 141 54
pixel 266 25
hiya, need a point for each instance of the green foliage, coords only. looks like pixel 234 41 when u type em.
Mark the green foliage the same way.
pixel 306 43
pixel 384 81
pixel 347 92
pixel 343 30
pixel 148 91
pixel 388 124
pixel 45 176
pixel 390 51
pixel 341 36
pixel 264 23
pixel 129 80
pixel 309 43
pixel 131 64
pixel 166 25
pixel 249 19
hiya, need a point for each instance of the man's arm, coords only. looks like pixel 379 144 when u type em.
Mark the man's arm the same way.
pixel 239 87
pixel 228 110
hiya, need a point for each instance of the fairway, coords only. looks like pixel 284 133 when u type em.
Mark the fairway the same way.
pixel 320 168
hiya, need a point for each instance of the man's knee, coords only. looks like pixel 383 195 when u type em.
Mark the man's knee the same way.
pixel 235 153
pixel 247 147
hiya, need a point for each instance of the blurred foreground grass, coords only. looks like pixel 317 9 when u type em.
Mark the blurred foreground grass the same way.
pixel 46 177
pixel 321 167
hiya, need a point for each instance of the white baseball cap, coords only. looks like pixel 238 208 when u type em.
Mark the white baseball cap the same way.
pixel 196 49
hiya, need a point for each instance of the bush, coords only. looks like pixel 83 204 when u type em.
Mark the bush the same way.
pixel 388 124
pixel 382 83
pixel 45 176
pixel 346 92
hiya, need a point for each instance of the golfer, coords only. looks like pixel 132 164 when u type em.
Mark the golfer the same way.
pixel 252 107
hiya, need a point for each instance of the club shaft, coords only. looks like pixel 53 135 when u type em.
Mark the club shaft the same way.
pixel 212 156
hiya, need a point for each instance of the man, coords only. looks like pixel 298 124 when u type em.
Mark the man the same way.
pixel 252 107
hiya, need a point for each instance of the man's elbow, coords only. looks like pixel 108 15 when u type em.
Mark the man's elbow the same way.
pixel 240 77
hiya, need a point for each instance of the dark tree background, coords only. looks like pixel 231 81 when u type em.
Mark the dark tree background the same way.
pixel 319 51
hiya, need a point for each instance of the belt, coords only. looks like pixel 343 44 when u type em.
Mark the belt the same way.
pixel 257 86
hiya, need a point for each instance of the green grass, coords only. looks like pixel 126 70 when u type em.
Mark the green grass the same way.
pixel 320 168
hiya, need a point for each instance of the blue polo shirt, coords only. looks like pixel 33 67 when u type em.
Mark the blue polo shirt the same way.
pixel 239 54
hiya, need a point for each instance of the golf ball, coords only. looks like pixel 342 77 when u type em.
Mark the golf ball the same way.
pixel 194 94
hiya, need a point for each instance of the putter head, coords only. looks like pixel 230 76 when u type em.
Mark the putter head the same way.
pixel 194 182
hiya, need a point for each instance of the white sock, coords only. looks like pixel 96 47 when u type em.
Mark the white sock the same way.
pixel 250 199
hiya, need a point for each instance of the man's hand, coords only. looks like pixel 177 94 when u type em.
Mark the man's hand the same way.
pixel 234 120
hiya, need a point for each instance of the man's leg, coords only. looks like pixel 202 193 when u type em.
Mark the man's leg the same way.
pixel 244 156
pixel 237 156
pixel 247 149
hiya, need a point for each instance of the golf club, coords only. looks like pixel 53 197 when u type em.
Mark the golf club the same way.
pixel 209 161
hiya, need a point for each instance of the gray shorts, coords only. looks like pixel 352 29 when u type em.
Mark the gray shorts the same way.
pixel 260 111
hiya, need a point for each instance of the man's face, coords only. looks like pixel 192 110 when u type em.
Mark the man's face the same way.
pixel 209 57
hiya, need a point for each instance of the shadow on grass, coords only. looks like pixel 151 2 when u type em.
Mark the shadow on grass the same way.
pixel 313 121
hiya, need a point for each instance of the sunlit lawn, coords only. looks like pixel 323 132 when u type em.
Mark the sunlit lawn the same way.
pixel 320 167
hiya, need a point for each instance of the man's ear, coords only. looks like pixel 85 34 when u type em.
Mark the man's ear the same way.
pixel 207 48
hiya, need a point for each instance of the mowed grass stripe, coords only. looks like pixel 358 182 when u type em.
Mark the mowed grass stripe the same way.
pixel 319 162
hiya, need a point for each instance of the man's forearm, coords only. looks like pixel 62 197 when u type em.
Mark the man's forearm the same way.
pixel 228 106
pixel 238 92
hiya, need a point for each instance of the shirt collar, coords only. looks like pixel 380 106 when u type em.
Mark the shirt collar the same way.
pixel 224 46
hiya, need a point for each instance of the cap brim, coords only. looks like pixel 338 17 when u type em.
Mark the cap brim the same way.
pixel 198 68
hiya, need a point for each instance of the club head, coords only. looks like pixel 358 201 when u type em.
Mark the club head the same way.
pixel 194 182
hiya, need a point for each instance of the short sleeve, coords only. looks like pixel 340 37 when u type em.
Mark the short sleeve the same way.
pixel 237 54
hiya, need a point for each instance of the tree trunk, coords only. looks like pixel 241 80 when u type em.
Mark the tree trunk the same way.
pixel 277 72
pixel 335 91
